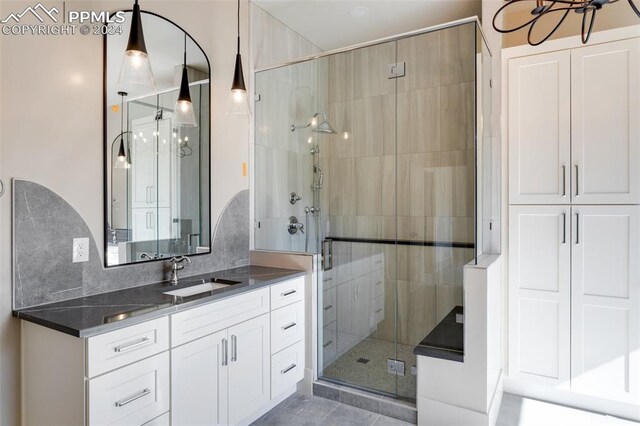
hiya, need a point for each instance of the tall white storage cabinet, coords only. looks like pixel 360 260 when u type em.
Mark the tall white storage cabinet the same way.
pixel 574 224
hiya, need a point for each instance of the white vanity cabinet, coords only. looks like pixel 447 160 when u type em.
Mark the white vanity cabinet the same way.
pixel 222 363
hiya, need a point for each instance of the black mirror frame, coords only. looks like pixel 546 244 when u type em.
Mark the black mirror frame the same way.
pixel 106 144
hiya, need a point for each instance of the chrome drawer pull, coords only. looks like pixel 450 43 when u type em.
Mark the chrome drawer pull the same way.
pixel 326 308
pixel 124 402
pixel 225 353
pixel 289 368
pixel 327 344
pixel 234 348
pixel 287 293
pixel 378 311
pixel 379 282
pixel 288 326
pixel 378 262
pixel 124 348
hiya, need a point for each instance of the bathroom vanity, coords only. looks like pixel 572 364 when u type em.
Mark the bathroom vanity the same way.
pixel 143 357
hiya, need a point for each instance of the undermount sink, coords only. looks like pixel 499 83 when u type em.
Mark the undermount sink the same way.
pixel 207 286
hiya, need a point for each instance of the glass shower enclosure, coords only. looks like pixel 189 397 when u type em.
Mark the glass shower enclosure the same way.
pixel 369 155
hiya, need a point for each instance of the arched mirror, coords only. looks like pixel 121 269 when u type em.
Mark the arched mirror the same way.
pixel 157 162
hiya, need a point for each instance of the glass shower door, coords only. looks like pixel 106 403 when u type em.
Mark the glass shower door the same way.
pixel 358 294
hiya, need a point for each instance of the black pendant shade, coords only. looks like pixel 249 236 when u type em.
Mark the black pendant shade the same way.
pixel 122 155
pixel 238 75
pixel 136 35
pixel 184 113
pixel 184 94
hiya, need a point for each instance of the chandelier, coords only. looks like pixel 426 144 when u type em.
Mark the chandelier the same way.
pixel 558 9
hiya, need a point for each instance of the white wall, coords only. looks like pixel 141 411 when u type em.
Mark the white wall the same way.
pixel 51 130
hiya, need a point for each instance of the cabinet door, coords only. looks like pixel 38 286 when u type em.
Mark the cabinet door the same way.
pixel 198 380
pixel 143 224
pixel 249 372
pixel 606 123
pixel 539 294
pixel 143 164
pixel 606 302
pixel 539 129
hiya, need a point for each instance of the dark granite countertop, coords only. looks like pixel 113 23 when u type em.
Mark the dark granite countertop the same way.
pixel 446 340
pixel 91 315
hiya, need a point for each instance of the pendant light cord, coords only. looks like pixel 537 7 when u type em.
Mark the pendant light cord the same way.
pixel 238 27
pixel 122 115
pixel 185 50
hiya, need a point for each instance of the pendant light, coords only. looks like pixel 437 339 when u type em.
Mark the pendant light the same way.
pixel 559 9
pixel 136 67
pixel 183 114
pixel 238 103
pixel 122 161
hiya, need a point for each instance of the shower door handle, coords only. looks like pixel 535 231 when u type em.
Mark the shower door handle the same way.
pixel 327 254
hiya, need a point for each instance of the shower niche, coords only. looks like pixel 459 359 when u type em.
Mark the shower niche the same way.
pixel 386 166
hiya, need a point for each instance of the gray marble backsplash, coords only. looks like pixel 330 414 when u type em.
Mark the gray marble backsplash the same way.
pixel 44 227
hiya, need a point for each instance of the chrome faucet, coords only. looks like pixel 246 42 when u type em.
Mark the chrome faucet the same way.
pixel 176 265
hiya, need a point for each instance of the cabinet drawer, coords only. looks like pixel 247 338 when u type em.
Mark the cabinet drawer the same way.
pixel 378 310
pixel 329 347
pixel 287 368
pixel 132 395
pixel 287 292
pixel 117 348
pixel 329 309
pixel 377 280
pixel 198 322
pixel 287 326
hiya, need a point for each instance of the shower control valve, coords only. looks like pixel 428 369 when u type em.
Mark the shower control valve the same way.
pixel 294 198
pixel 294 226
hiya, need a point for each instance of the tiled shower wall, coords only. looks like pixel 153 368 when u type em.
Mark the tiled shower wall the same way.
pixel 282 159
pixel 410 179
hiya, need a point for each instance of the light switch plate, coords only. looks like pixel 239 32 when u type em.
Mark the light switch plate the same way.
pixel 80 250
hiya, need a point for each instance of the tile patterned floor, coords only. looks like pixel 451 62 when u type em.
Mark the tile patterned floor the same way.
pixel 373 374
pixel 300 410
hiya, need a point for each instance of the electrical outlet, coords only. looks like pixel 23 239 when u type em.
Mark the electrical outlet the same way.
pixel 80 250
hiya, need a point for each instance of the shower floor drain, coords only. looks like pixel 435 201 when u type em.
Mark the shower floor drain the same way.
pixel 362 360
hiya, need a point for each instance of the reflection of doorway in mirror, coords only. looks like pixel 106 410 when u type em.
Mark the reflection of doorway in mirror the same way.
pixel 154 172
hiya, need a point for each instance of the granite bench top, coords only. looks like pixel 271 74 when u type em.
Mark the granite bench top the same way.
pixel 446 340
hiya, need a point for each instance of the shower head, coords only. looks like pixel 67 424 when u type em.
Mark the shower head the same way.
pixel 324 127
pixel 318 126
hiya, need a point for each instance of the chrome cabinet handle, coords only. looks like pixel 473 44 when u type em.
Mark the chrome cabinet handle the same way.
pixel 326 308
pixel 577 182
pixel 327 343
pixel 327 254
pixel 288 326
pixel 124 402
pixel 289 368
pixel 234 348
pixel 564 228
pixel 378 311
pixel 577 228
pixel 287 293
pixel 564 181
pixel 130 346
pixel 225 353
